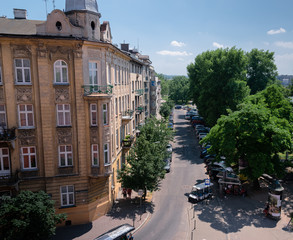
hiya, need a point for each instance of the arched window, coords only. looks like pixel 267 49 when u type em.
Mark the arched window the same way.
pixel 60 72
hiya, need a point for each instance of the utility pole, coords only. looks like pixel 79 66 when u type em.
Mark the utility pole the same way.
pixel 54 4
pixel 46 7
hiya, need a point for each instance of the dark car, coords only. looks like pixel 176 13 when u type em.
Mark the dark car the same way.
pixel 178 107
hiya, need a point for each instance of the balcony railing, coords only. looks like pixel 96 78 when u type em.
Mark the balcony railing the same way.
pixel 90 89
pixel 127 115
pixel 7 135
pixel 127 142
pixel 146 90
pixel 139 92
pixel 139 109
pixel 8 180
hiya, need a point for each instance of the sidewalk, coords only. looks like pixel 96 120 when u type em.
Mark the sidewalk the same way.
pixel 124 211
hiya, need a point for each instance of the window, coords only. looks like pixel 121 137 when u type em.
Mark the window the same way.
pixel 2 117
pixel 29 158
pixel 105 114
pixel 117 139
pixel 115 74
pixel 65 156
pixel 93 73
pixel 106 154
pixel 60 72
pixel 63 115
pixel 95 155
pixel 4 162
pixel 22 71
pixel 0 75
pixel 67 196
pixel 94 114
pixel 119 75
pixel 26 115
pixel 116 106
pixel 108 66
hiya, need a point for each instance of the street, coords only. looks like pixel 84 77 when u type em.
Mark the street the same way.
pixel 233 217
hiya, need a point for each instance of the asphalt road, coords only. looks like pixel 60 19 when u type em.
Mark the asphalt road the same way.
pixel 171 217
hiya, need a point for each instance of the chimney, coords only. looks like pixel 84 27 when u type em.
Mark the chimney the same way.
pixel 19 13
pixel 125 47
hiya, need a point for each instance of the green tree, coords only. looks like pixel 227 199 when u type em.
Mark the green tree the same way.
pixel 255 134
pixel 166 108
pixel 261 70
pixel 218 82
pixel 179 89
pixel 145 163
pixel 164 85
pixel 28 216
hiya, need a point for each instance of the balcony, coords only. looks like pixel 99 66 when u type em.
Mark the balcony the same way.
pixel 7 135
pixel 127 142
pixel 146 90
pixel 139 92
pixel 127 116
pixel 97 90
pixel 101 172
pixel 139 110
pixel 146 79
pixel 9 180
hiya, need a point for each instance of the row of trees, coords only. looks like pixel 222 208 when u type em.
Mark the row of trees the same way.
pixel 145 163
pixel 222 79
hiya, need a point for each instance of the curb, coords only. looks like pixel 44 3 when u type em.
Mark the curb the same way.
pixel 140 226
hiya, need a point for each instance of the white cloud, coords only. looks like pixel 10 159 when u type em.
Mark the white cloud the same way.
pixel 218 45
pixel 174 53
pixel 284 63
pixel 177 44
pixel 278 31
pixel 284 44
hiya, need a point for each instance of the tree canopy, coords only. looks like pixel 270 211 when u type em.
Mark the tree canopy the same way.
pixel 261 70
pixel 28 216
pixel 218 82
pixel 255 134
pixel 179 89
pixel 145 163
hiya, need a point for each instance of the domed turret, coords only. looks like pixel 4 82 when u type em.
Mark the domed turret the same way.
pixel 82 5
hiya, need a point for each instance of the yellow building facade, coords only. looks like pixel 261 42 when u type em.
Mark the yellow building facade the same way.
pixel 68 98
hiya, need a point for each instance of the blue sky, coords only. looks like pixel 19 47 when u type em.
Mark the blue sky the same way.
pixel 173 32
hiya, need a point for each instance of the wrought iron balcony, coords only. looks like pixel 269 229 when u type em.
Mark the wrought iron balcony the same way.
pixel 92 89
pixel 139 110
pixel 127 142
pixel 7 135
pixel 127 115
pixel 139 92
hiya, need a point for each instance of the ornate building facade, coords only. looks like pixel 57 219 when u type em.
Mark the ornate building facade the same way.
pixel 68 98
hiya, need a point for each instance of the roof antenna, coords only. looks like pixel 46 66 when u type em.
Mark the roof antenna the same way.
pixel 54 4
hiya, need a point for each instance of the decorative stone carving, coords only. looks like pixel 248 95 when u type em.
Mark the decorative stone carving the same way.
pixel 64 135
pixel 27 137
pixel 21 51
pixel 94 136
pixel 65 52
pixel 42 53
pixel 77 54
pixel 24 94
pixel 94 54
pixel 61 94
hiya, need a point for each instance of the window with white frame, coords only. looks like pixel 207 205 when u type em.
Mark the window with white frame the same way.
pixel 26 115
pixel 63 115
pixel 29 158
pixel 108 66
pixel 115 74
pixel 65 156
pixel 94 114
pixel 105 114
pixel 116 106
pixel 22 71
pixel 3 122
pixel 93 73
pixel 119 75
pixel 67 195
pixel 4 162
pixel 106 154
pixel 60 72
pixel 95 155
pixel 117 139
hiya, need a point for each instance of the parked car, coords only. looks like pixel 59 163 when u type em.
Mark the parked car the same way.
pixel 167 166
pixel 169 148
pixel 200 192
pixel 178 107
pixel 170 125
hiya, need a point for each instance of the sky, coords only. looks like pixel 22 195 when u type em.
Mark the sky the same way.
pixel 174 32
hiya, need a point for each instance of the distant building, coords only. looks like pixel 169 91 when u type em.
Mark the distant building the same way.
pixel 68 98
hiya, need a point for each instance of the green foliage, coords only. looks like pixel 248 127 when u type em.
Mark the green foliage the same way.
pixel 145 165
pixel 218 82
pixel 28 216
pixel 166 108
pixel 261 70
pixel 255 134
pixel 179 89
pixel 164 85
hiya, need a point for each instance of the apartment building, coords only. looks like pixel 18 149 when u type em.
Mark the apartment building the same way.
pixel 68 98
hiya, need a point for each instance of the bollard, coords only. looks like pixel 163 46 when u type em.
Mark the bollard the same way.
pixel 194 227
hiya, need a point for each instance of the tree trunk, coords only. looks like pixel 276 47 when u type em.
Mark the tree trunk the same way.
pixel 256 185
